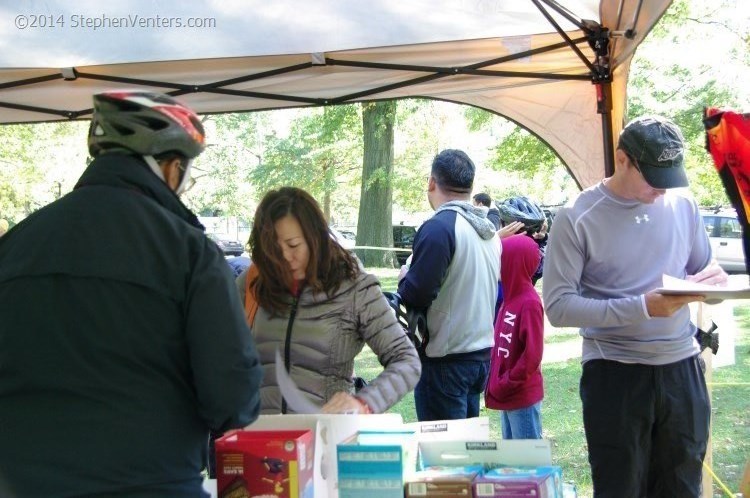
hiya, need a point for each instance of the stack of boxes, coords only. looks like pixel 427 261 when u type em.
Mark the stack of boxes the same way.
pixel 343 457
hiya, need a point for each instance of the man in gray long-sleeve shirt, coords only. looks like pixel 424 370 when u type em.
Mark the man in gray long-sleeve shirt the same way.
pixel 645 405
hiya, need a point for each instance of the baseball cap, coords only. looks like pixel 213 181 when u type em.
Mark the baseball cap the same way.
pixel 657 147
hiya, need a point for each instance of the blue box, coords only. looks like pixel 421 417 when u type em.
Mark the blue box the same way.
pixel 373 464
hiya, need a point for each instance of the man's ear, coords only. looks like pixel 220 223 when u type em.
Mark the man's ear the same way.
pixel 621 158
pixel 171 171
pixel 431 184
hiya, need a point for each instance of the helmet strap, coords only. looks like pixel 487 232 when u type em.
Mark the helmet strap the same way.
pixel 154 165
pixel 184 179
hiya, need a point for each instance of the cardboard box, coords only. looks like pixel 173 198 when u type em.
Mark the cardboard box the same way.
pixel 477 428
pixel 374 464
pixel 265 463
pixel 329 430
pixel 512 482
pixel 490 454
pixel 442 482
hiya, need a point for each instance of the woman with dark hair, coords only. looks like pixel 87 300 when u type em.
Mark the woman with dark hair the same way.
pixel 310 299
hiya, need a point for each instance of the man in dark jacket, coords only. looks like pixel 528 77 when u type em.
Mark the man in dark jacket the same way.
pixel 123 340
pixel 453 277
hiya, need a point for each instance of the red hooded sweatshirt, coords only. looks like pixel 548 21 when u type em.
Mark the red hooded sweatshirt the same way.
pixel 515 379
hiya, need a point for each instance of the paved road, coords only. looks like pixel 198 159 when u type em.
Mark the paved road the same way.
pixel 562 351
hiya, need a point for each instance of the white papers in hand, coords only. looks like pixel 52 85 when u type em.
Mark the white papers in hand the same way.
pixel 295 398
pixel 714 295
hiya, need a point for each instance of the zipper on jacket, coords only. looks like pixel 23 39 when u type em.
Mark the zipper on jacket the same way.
pixel 288 346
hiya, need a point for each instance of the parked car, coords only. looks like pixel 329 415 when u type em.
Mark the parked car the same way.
pixel 348 234
pixel 345 241
pixel 228 247
pixel 403 238
pixel 725 235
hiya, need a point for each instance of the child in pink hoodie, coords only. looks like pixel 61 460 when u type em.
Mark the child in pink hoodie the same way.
pixel 515 382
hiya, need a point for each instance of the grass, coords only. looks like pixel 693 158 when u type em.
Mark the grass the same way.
pixel 562 417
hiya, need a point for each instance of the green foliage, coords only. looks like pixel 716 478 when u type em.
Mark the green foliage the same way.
pixel 235 144
pixel 477 119
pixel 38 163
pixel 661 83
pixel 523 152
pixel 322 154
pixel 417 142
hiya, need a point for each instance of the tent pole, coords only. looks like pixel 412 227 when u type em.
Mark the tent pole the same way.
pixel 604 107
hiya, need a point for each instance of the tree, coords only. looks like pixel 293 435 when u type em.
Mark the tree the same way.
pixel 705 71
pixel 417 135
pixel 376 198
pixel 235 146
pixel 321 155
pixel 38 164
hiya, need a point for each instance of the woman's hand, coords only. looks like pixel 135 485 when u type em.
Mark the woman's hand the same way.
pixel 342 402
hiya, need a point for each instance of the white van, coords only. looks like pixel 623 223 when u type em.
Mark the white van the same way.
pixel 725 234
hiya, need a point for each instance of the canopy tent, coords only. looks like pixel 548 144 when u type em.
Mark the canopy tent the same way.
pixel 559 71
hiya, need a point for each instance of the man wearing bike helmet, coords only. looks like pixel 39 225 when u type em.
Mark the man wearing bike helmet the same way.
pixel 123 338
pixel 645 405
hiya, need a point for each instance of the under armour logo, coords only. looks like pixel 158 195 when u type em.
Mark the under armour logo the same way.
pixel 639 219
pixel 669 154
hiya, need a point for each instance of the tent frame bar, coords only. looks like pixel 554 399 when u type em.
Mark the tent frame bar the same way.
pixel 455 71
pixel 216 87
pixel 30 81
pixel 564 35
pixel 565 13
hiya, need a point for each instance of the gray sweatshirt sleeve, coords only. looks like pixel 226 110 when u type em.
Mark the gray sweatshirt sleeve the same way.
pixel 564 303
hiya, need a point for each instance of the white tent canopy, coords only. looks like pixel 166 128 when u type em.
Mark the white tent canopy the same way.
pixel 531 61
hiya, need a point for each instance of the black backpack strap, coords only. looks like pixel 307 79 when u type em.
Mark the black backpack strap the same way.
pixel 414 322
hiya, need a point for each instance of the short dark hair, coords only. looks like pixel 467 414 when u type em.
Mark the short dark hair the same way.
pixel 483 199
pixel 453 171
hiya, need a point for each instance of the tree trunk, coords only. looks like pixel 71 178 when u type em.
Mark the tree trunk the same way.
pixel 374 227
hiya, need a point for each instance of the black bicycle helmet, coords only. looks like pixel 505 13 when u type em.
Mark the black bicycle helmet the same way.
pixel 146 123
pixel 524 210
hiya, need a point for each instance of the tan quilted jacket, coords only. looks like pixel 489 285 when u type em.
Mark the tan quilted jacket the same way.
pixel 325 335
